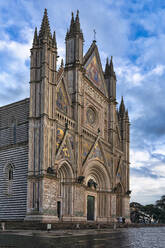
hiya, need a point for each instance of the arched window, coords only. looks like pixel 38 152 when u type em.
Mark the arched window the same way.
pixel 9 175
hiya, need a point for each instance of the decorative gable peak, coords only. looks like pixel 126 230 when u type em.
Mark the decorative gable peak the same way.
pixel 96 153
pixel 94 71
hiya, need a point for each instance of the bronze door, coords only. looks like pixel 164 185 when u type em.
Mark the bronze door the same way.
pixel 90 207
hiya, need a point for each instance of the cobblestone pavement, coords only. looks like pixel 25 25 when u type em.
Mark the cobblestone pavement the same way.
pixel 132 238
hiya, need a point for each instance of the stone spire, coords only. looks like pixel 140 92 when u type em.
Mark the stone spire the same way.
pixel 74 27
pixel 35 39
pixel 74 42
pixel 72 22
pixel 126 115
pixel 77 22
pixel 107 68
pixel 54 40
pixel 122 107
pixel 45 27
pixel 111 69
pixel 110 78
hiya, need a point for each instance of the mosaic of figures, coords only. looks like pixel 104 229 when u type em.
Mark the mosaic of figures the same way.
pixel 59 137
pixel 64 153
pixel 93 73
pixel 96 153
pixel 85 149
pixel 62 102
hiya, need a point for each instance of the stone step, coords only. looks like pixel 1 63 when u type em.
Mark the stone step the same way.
pixel 30 225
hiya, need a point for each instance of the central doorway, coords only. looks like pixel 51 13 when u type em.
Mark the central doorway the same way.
pixel 90 207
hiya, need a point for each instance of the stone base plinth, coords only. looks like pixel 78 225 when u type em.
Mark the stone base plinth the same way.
pixel 42 218
pixel 74 219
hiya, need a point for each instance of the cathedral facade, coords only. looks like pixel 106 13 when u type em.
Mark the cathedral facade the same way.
pixel 64 152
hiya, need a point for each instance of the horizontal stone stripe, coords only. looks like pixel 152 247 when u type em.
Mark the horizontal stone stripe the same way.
pixel 14 206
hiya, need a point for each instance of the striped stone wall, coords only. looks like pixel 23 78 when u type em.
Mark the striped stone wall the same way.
pixel 14 152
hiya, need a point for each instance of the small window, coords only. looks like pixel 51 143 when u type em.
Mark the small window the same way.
pixel 9 175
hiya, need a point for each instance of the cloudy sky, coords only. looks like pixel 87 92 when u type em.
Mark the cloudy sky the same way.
pixel 134 33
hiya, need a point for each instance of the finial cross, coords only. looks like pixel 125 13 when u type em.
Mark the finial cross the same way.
pixel 94 31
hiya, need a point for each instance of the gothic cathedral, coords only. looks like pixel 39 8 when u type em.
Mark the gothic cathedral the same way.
pixel 64 152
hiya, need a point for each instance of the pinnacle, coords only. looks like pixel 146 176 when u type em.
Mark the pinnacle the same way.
pixel 62 63
pixel 111 65
pixel 126 113
pixel 54 40
pixel 122 106
pixel 45 27
pixel 35 39
pixel 111 69
pixel 74 26
pixel 77 16
pixel 72 23
pixel 77 22
pixel 107 67
pixel 72 20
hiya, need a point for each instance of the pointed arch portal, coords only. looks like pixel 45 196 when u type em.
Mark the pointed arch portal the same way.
pixel 94 170
pixel 65 191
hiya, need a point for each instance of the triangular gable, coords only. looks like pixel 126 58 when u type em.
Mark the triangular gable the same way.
pixel 63 100
pixel 66 148
pixel 93 68
pixel 96 153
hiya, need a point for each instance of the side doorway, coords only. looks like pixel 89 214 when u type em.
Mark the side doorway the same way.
pixel 59 209
pixel 90 207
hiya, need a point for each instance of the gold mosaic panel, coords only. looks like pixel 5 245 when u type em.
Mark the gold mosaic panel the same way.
pixel 97 152
pixel 62 102
pixel 59 137
pixel 85 149
pixel 93 72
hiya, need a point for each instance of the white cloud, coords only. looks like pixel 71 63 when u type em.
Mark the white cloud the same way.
pixel 159 170
pixel 139 158
pixel 160 149
pixel 16 49
pixel 146 189
pixel 158 70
